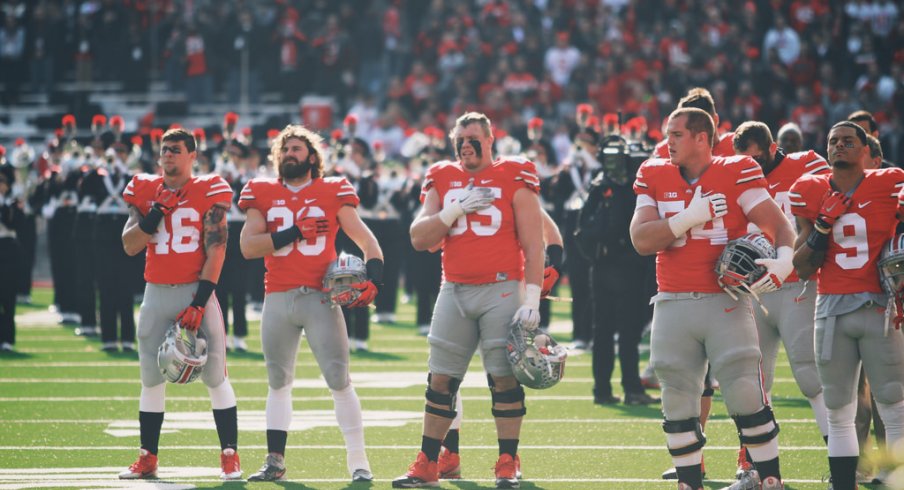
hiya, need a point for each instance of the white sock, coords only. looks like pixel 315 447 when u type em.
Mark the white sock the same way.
pixel 153 398
pixel 459 408
pixel 348 415
pixel 279 408
pixel 222 396
pixel 893 416
pixel 842 434
pixel 818 404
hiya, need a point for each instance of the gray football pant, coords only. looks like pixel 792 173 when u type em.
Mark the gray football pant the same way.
pixel 859 336
pixel 284 316
pixel 688 332
pixel 470 316
pixel 790 322
pixel 161 305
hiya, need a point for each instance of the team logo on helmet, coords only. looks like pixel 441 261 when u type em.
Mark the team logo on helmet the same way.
pixel 537 361
pixel 182 356
pixel 736 267
pixel 340 275
pixel 891 265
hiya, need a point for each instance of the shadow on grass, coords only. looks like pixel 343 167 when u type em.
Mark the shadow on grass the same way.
pixel 469 485
pixel 377 356
pixel 14 355
pixel 254 356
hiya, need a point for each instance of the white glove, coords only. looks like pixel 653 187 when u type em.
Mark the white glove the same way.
pixel 700 210
pixel 474 199
pixel 528 314
pixel 777 270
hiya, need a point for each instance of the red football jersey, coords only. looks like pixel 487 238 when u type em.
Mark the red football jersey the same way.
pixel 483 247
pixel 724 147
pixel 300 263
pixel 688 264
pixel 858 235
pixel 784 175
pixel 175 254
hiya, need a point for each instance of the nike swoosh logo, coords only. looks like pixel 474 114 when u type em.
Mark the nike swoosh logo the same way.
pixel 309 201
pixel 486 181
pixel 182 202
pixel 800 299
pixel 506 295
pixel 862 205
pixel 830 208
pixel 729 310
pixel 705 194
pixel 773 186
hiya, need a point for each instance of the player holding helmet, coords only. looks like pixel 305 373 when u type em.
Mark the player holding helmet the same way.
pixel 292 222
pixel 181 220
pixel 688 208
pixel 486 214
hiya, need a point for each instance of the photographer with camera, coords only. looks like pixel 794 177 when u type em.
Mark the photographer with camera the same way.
pixel 621 280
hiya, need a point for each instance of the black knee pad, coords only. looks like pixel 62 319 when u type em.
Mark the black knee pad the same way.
pixel 681 427
pixel 442 398
pixel 515 395
pixel 762 417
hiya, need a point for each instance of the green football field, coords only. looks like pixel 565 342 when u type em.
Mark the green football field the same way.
pixel 68 419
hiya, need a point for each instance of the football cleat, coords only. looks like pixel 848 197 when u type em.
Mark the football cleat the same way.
pixel 640 398
pixel 274 469
pixel 421 474
pixel 230 465
pixel 362 475
pixel 449 465
pixel 744 465
pixel 685 486
pixel 750 481
pixel 144 467
pixel 506 472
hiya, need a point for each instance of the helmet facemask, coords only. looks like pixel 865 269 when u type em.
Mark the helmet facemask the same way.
pixel 340 275
pixel 537 361
pixel 182 356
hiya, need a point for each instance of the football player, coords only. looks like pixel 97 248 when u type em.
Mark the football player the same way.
pixel 449 463
pixel 485 213
pixel 292 222
pixel 845 218
pixel 722 147
pixel 181 220
pixel 788 315
pixel 688 208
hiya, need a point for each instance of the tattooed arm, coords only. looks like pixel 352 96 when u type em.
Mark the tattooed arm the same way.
pixel 215 234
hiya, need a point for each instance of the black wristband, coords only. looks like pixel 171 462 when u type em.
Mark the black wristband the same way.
pixel 285 237
pixel 554 256
pixel 818 241
pixel 205 289
pixel 151 221
pixel 375 271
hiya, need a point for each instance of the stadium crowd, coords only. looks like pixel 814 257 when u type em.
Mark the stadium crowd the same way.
pixel 558 79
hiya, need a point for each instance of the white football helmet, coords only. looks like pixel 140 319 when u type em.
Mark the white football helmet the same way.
pixel 182 355
pixel 340 275
pixel 891 265
pixel 537 361
pixel 736 268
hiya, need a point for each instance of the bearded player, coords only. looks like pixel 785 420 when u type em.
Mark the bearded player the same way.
pixel 292 222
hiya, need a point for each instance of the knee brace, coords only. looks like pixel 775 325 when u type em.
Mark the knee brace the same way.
pixel 758 428
pixel 678 445
pixel 515 395
pixel 443 399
